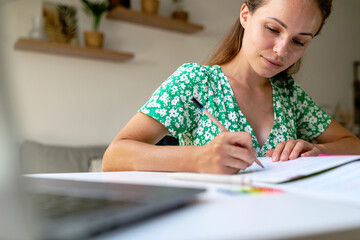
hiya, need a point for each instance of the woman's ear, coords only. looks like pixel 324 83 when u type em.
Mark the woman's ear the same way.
pixel 244 13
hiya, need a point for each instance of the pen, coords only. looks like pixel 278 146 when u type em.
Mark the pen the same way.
pixel 209 115
pixel 212 118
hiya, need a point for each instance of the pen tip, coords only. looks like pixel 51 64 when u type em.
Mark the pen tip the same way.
pixel 259 163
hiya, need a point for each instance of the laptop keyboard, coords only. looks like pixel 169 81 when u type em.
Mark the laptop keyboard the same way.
pixel 57 206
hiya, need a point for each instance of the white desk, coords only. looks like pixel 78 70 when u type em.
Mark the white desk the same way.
pixel 221 216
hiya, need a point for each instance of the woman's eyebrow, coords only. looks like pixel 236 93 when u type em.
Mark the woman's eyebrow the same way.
pixel 279 21
pixel 285 26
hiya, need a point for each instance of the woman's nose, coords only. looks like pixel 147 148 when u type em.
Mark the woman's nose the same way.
pixel 281 46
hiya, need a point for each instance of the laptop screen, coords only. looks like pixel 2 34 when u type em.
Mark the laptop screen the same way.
pixel 81 209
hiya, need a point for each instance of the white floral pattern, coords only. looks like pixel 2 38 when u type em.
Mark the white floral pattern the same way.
pixel 296 115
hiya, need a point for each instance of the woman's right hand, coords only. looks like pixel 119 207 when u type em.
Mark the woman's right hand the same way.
pixel 227 153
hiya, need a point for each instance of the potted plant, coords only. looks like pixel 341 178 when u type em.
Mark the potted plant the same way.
pixel 95 9
pixel 179 12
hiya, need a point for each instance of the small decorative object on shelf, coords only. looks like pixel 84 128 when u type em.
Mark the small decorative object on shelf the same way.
pixel 37 30
pixel 95 9
pixel 179 12
pixel 123 14
pixel 60 23
pixel 150 6
pixel 357 91
pixel 121 3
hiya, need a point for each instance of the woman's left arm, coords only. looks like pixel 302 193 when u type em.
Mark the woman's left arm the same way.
pixel 338 140
pixel 334 140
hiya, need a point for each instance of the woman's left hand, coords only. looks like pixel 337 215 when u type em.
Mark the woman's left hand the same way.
pixel 293 149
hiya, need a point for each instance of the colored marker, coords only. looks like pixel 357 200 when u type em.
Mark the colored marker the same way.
pixel 250 190
pixel 212 118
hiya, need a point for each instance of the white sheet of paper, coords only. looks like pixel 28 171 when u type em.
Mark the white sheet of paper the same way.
pixel 342 183
pixel 277 172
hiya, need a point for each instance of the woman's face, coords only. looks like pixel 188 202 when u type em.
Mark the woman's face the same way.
pixel 277 34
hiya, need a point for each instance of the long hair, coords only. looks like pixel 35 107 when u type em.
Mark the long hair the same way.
pixel 231 44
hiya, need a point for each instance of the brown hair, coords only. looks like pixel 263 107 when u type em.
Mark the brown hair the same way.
pixel 230 46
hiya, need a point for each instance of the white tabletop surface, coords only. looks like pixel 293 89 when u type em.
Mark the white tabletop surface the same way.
pixel 222 216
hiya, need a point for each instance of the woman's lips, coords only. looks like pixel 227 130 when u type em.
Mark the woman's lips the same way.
pixel 272 63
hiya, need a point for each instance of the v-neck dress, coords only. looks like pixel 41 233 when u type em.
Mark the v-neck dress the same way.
pixel 296 115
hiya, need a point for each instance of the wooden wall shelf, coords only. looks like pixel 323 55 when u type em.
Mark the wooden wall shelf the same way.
pixel 70 50
pixel 121 13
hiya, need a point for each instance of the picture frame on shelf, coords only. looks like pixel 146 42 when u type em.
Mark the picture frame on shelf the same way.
pixel 60 23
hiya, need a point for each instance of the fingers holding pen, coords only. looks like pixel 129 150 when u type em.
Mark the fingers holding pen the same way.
pixel 227 153
pixel 239 157
pixel 246 141
pixel 242 146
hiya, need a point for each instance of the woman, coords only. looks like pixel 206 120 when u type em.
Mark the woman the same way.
pixel 247 86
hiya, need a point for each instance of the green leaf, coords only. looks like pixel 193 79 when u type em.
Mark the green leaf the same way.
pixel 96 9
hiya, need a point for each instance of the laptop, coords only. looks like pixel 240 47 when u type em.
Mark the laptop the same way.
pixel 78 209
pixel 39 208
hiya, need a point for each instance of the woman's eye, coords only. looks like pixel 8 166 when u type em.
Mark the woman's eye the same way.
pixel 271 29
pixel 298 42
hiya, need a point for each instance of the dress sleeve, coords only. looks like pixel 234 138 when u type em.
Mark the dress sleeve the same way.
pixel 311 119
pixel 171 103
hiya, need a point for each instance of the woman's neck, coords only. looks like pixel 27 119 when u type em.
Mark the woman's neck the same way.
pixel 239 71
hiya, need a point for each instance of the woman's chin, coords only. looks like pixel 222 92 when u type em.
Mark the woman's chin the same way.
pixel 267 74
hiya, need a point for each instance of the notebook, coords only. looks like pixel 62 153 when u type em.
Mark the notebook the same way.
pixel 274 172
pixel 39 208
pixel 282 172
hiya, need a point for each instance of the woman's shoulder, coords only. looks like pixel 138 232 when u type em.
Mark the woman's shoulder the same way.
pixel 196 67
pixel 197 73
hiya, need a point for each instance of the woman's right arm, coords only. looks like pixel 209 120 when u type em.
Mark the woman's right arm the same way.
pixel 134 149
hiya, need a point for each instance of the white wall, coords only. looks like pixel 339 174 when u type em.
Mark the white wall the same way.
pixel 327 71
pixel 73 101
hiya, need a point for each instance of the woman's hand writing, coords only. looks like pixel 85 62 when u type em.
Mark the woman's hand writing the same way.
pixel 227 153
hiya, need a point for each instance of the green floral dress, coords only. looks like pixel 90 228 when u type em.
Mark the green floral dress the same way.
pixel 296 115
